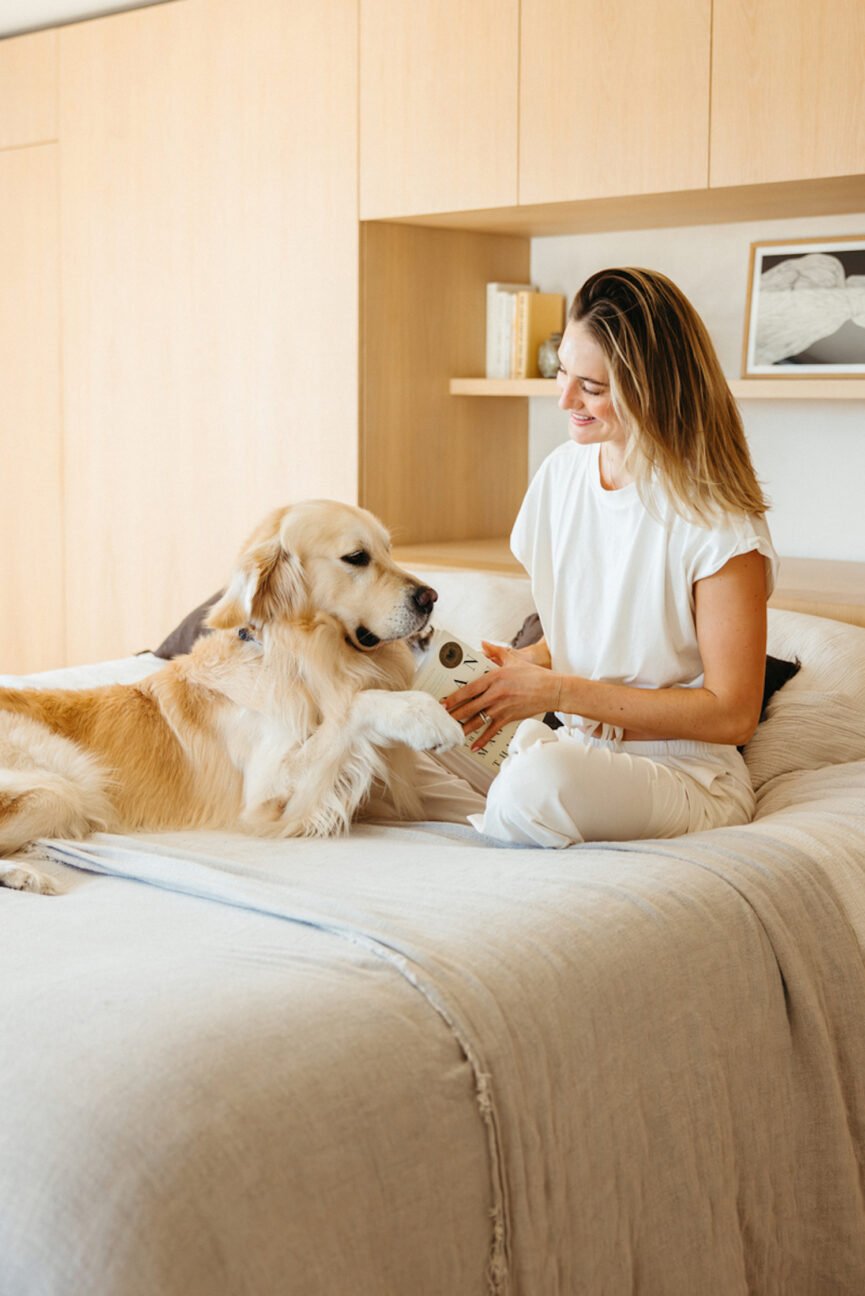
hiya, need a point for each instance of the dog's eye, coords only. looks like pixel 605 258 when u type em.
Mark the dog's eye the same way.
pixel 358 559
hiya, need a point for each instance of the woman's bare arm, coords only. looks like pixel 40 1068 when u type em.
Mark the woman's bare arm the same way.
pixel 731 633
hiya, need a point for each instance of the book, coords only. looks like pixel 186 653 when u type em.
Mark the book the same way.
pixel 448 663
pixel 537 315
pixel 501 299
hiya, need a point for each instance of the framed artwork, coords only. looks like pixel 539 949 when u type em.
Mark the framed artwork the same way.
pixel 806 309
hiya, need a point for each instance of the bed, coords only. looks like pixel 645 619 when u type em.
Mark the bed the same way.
pixel 412 1062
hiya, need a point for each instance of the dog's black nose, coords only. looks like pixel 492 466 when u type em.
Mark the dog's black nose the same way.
pixel 424 596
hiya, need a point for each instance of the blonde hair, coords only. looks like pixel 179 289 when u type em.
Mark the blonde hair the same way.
pixel 668 390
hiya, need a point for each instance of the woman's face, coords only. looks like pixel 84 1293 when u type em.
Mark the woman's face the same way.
pixel 584 381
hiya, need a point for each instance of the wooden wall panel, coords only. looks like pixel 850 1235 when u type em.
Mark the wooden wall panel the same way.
pixel 614 97
pixel 28 89
pixel 436 466
pixel 438 105
pixel 210 284
pixel 788 90
pixel 31 497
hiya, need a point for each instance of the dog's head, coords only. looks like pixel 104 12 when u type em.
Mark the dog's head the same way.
pixel 323 557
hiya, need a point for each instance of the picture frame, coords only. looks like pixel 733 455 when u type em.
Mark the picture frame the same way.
pixel 805 312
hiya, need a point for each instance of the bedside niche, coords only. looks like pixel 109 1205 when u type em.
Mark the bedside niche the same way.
pixel 435 467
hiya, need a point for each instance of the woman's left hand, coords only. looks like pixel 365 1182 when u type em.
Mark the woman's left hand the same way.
pixel 516 691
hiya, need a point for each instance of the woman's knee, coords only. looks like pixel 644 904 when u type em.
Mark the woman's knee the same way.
pixel 525 802
pixel 557 791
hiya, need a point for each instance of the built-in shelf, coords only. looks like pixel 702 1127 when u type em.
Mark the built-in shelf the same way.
pixel 821 587
pixel 742 388
pixel 828 196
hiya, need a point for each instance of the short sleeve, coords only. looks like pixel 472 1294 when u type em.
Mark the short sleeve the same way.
pixel 524 534
pixel 730 538
pixel 521 546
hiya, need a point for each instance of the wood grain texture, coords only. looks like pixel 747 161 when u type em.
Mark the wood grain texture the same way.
pixel 831 196
pixel 614 98
pixel 822 587
pixel 210 295
pixel 788 90
pixel 28 89
pixel 438 105
pixel 31 495
pixel 435 467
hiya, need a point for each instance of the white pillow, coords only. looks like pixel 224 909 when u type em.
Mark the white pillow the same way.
pixel 476 605
pixel 125 670
pixel 818 717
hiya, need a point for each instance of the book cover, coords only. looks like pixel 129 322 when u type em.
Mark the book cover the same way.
pixel 500 306
pixel 538 314
pixel 447 664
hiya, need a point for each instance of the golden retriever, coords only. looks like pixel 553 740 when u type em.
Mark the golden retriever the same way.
pixel 278 722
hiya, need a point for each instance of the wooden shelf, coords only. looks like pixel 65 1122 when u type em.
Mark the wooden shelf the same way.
pixel 831 195
pixel 820 587
pixel 742 388
pixel 481 555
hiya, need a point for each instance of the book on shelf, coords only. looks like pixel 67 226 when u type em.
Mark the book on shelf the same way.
pixel 536 316
pixel 501 306
pixel 446 665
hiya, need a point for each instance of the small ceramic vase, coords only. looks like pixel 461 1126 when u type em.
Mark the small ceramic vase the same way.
pixel 548 356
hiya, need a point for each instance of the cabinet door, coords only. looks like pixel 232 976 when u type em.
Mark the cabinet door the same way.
pixel 614 98
pixel 31 498
pixel 28 89
pixel 210 268
pixel 438 105
pixel 788 90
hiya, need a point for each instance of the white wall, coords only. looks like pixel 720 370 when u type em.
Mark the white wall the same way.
pixel 810 455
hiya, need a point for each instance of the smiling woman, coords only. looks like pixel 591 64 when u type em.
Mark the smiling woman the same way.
pixel 583 378
pixel 651 564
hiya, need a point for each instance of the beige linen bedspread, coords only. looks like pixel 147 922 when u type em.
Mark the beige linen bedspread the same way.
pixel 410 1062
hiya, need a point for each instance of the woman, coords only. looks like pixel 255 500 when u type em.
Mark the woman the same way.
pixel 651 564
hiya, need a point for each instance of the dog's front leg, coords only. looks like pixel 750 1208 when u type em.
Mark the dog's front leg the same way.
pixel 320 786
pixel 325 781
pixel 411 717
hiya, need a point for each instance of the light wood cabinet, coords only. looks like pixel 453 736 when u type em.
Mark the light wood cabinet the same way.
pixel 614 98
pixel 31 487
pixel 788 90
pixel 438 105
pixel 28 89
pixel 210 285
pixel 216 343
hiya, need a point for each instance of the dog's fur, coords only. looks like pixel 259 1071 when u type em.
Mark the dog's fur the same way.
pixel 278 722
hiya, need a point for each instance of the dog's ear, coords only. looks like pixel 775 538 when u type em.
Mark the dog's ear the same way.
pixel 268 583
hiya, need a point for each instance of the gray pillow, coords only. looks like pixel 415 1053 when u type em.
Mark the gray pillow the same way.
pixel 183 636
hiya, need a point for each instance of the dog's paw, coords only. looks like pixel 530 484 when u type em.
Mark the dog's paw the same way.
pixel 423 724
pixel 18 877
pixel 266 818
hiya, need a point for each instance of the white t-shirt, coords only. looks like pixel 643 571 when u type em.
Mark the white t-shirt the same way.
pixel 613 584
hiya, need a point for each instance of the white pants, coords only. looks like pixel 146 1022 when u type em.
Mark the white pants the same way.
pixel 558 787
pixel 451 786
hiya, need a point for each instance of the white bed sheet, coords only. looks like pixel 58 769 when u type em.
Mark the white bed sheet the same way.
pixel 659 1042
